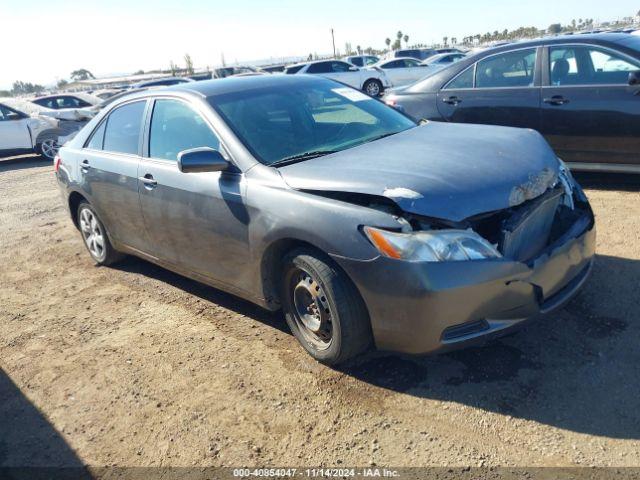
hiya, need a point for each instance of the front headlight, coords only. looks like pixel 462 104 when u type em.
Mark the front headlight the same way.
pixel 567 181
pixel 432 245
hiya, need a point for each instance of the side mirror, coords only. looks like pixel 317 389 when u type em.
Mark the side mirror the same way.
pixel 353 69
pixel 634 78
pixel 203 159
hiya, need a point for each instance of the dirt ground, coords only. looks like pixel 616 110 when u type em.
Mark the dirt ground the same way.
pixel 136 366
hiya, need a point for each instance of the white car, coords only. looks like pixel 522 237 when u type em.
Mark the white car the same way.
pixel 401 71
pixel 369 80
pixel 21 133
pixel 442 60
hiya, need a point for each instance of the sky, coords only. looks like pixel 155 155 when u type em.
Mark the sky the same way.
pixel 51 38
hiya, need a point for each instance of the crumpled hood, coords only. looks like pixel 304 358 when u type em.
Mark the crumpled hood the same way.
pixel 440 170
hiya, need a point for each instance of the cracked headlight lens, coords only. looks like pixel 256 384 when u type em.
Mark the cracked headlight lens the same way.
pixel 432 245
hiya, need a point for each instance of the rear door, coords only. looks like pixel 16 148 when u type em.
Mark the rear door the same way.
pixel 590 113
pixel 109 173
pixel 501 89
pixel 14 132
pixel 195 221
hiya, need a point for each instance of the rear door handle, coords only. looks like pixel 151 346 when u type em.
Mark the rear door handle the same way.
pixel 556 100
pixel 148 181
pixel 84 165
pixel 452 100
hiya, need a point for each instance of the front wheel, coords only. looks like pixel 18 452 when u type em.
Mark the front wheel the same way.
pixel 95 236
pixel 372 87
pixel 323 308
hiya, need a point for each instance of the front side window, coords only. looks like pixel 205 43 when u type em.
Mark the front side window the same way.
pixel 176 127
pixel 511 69
pixel 338 67
pixel 585 65
pixel 71 102
pixel 122 134
pixel 280 122
pixel 411 63
pixel 394 64
pixel 357 61
pixel 7 114
pixel 464 80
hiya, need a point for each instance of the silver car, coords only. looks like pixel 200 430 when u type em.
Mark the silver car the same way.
pixel 298 193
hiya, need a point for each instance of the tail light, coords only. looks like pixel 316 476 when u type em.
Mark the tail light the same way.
pixel 56 163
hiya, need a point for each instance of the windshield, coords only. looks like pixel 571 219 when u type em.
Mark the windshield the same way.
pixel 306 119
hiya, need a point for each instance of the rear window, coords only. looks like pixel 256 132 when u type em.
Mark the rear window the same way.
pixel 122 134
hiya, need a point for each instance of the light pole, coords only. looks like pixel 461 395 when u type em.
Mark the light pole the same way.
pixel 333 40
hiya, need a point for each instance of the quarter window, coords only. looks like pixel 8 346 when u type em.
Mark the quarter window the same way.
pixel 97 139
pixel 122 134
pixel 176 127
pixel 511 69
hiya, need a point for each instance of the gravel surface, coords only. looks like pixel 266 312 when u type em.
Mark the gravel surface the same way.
pixel 134 365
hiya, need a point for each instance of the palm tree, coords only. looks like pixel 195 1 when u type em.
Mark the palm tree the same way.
pixel 445 40
pixel 388 42
pixel 406 41
pixel 399 35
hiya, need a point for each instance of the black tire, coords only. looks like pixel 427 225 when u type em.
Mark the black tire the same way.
pixel 346 320
pixel 373 87
pixel 106 255
pixel 47 146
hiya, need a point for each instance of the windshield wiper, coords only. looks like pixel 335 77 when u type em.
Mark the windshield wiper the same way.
pixel 380 137
pixel 301 157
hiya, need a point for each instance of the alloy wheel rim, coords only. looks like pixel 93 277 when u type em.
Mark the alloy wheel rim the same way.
pixel 92 234
pixel 373 89
pixel 49 148
pixel 311 310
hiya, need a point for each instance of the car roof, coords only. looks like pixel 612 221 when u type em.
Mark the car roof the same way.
pixel 388 60
pixel 302 64
pixel 222 86
pixel 606 37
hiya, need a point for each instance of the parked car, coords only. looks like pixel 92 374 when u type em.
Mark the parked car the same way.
pixel 581 92
pixel 224 72
pixel 362 60
pixel 302 194
pixel 162 82
pixel 369 80
pixel 273 68
pixel 67 101
pixel 401 71
pixel 21 133
pixel 442 60
pixel 419 53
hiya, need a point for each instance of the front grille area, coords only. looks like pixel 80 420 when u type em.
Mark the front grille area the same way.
pixel 527 231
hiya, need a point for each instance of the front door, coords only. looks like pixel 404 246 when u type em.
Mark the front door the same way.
pixel 195 221
pixel 501 89
pixel 590 113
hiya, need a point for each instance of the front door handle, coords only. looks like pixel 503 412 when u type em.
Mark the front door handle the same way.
pixel 452 100
pixel 148 181
pixel 84 166
pixel 556 100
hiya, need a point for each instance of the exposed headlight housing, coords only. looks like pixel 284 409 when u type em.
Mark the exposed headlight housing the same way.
pixel 431 245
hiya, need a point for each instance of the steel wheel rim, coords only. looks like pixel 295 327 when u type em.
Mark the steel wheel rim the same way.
pixel 373 89
pixel 49 148
pixel 92 233
pixel 311 310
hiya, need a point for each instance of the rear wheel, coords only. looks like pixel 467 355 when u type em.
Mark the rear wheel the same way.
pixel 95 236
pixel 323 308
pixel 48 148
pixel 372 87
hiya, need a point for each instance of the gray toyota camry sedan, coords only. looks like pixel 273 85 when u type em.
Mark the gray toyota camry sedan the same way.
pixel 299 193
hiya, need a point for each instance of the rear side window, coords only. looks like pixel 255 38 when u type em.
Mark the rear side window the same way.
pixel 176 127
pixel 291 70
pixel 97 139
pixel 357 61
pixel 511 69
pixel 321 67
pixel 122 134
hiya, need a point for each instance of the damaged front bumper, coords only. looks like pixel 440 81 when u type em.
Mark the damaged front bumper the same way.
pixel 423 307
